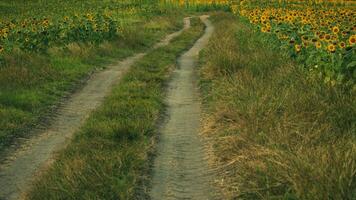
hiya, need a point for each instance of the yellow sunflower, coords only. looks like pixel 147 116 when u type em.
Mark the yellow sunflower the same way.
pixel 342 45
pixel 352 39
pixel 331 48
pixel 318 45
pixel 298 48
pixel 335 30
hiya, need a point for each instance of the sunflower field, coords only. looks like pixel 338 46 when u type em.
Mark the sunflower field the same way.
pixel 39 34
pixel 30 28
pixel 198 5
pixel 320 34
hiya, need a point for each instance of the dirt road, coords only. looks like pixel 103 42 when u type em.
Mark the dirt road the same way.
pixel 21 165
pixel 180 168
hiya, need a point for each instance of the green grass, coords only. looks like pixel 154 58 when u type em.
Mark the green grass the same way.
pixel 32 84
pixel 277 132
pixel 107 157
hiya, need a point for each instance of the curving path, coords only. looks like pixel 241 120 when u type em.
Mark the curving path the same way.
pixel 180 168
pixel 20 166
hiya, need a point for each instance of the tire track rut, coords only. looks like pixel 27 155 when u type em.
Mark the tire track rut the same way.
pixel 180 169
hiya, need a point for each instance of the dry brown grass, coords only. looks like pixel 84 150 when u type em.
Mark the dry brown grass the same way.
pixel 276 133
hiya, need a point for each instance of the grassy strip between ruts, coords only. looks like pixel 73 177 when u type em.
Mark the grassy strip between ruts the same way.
pixel 31 84
pixel 277 133
pixel 105 158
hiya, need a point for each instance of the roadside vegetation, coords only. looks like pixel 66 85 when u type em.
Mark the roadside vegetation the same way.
pixel 107 158
pixel 38 70
pixel 276 132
